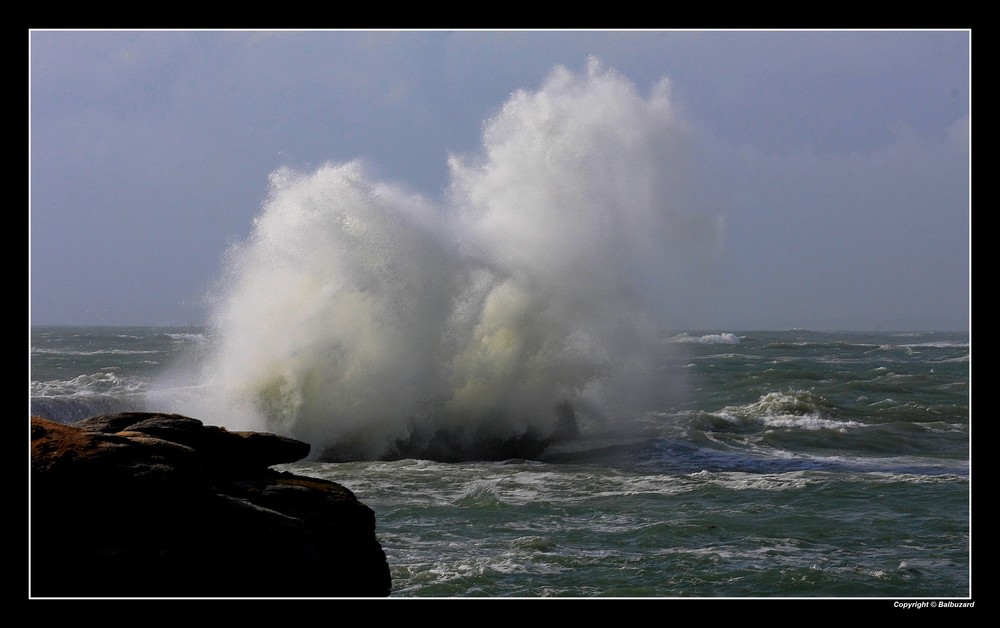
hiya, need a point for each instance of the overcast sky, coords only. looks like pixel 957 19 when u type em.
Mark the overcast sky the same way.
pixel 836 162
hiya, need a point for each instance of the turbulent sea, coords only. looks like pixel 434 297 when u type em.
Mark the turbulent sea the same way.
pixel 789 464
pixel 499 374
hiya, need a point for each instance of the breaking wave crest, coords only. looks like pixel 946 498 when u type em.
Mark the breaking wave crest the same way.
pixel 527 304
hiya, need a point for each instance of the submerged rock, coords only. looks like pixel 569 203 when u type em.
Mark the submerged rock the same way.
pixel 159 505
pixel 467 443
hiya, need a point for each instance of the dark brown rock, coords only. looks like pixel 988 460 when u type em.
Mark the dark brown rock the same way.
pixel 158 505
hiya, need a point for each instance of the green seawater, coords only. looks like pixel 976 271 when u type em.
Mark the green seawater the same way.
pixel 792 464
pixel 537 529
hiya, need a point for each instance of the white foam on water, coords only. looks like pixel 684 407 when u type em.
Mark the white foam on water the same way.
pixel 360 313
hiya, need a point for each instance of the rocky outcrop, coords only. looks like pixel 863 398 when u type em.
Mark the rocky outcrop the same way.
pixel 463 444
pixel 158 505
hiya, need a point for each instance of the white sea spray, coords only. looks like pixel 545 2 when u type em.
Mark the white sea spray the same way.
pixel 358 312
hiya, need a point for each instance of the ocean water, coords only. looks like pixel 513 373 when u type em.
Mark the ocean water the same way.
pixel 792 464
pixel 499 373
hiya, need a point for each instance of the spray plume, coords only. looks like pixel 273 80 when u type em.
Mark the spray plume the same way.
pixel 374 323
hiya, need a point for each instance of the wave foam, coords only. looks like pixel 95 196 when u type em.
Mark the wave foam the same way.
pixel 799 409
pixel 713 339
pixel 374 322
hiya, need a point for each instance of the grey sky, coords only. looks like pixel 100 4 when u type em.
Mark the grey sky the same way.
pixel 838 162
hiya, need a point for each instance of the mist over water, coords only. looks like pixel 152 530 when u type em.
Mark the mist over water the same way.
pixel 373 322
